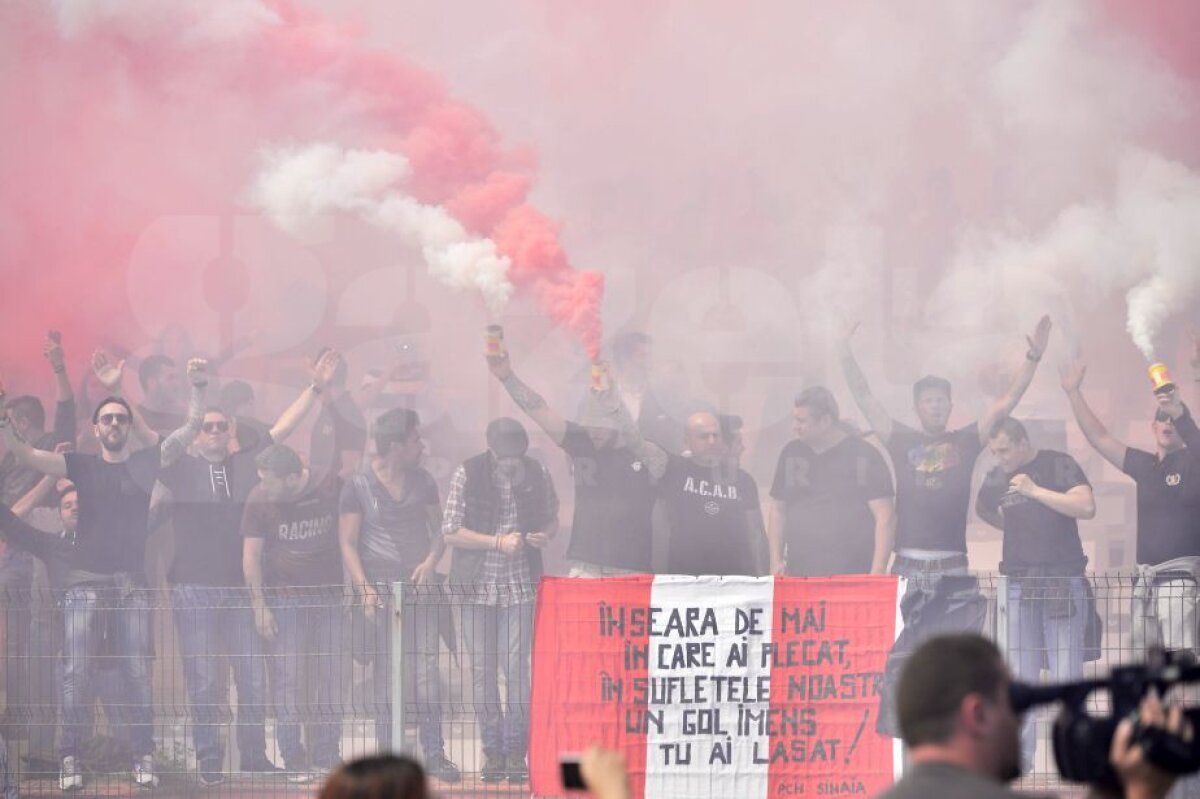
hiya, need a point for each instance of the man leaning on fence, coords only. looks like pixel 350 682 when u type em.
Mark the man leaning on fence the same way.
pixel 390 532
pixel 293 568
pixel 501 512
pixel 1036 496
pixel 106 581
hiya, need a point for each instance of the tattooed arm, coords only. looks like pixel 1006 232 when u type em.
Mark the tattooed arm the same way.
pixel 877 416
pixel 654 456
pixel 527 399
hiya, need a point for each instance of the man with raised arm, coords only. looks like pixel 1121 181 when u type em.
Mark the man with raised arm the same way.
pixel 1168 513
pixel 204 495
pixel 16 480
pixel 933 467
pixel 107 565
pixel 614 469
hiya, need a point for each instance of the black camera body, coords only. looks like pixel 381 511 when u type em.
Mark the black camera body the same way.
pixel 1082 741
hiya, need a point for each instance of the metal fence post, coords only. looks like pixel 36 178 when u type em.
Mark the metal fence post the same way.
pixel 397 661
pixel 1002 642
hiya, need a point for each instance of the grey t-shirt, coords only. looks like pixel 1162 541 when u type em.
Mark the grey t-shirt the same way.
pixel 394 537
pixel 948 781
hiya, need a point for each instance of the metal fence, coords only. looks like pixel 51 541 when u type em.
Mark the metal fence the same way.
pixel 219 696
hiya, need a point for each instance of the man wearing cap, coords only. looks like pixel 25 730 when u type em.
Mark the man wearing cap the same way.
pixel 614 469
pixel 390 531
pixel 1168 513
pixel 293 568
pixel 501 512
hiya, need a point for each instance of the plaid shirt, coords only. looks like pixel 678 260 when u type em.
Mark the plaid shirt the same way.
pixel 504 580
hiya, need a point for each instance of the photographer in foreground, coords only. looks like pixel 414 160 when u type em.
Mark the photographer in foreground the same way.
pixel 963 736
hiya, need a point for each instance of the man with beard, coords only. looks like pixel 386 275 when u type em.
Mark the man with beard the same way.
pixel 958 722
pixel 204 495
pixel 107 565
pixel 614 471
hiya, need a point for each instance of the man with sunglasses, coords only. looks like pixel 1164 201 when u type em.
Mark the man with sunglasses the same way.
pixel 205 495
pixel 1168 513
pixel 106 578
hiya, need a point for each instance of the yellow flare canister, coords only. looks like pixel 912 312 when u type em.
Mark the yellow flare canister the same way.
pixel 1160 377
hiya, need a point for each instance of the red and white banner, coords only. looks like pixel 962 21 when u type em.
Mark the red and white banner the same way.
pixel 748 687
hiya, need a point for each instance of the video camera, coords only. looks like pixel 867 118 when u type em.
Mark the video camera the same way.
pixel 1082 741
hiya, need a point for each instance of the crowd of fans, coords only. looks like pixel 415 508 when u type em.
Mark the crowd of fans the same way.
pixel 262 534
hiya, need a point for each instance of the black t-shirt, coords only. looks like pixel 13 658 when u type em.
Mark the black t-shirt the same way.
pixel 1168 499
pixel 614 503
pixel 207 501
pixel 933 486
pixel 828 527
pixel 707 509
pixel 114 502
pixel 301 534
pixel 1034 534
pixel 339 427
pixel 394 535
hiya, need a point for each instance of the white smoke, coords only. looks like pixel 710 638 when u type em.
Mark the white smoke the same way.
pixel 1144 241
pixel 297 185
pixel 1074 107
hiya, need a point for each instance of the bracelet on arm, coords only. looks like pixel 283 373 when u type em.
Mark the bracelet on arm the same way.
pixel 315 388
pixel 1031 356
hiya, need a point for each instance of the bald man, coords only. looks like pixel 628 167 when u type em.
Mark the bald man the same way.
pixel 711 506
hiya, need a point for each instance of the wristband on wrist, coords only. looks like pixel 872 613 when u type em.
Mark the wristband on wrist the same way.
pixel 315 388
pixel 1030 356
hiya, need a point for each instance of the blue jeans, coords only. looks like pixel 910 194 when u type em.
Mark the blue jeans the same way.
pixel 500 638
pixel 941 597
pixel 217 634
pixel 307 674
pixel 420 646
pixel 112 624
pixel 1047 618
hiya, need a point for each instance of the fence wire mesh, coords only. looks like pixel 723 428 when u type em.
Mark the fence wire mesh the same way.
pixel 188 677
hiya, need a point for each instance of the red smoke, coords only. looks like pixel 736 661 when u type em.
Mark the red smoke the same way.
pixel 456 161
pixel 121 124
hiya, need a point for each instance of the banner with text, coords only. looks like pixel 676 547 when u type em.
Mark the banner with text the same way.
pixel 716 686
